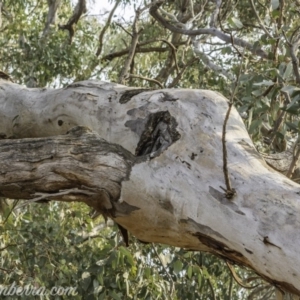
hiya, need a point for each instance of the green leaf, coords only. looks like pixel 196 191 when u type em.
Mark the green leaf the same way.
pixel 115 296
pixel 190 272
pixel 264 83
pixel 128 255
pixel 147 272
pixel 293 109
pixel 292 126
pixel 200 281
pixel 280 135
pixel 236 22
pixel 255 126
pixel 177 265
pixel 290 89
pixel 288 71
pixel 86 280
pixel 256 92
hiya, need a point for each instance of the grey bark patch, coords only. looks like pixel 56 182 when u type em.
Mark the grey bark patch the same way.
pixel 206 115
pixel 124 209
pixel 158 134
pixel 167 205
pixel 137 126
pixel 252 151
pixel 249 251
pixel 168 97
pixel 127 95
pixel 216 194
pixel 223 200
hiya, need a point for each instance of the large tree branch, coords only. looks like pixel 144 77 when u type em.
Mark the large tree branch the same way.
pixel 79 166
pixel 162 180
pixel 211 31
pixel 138 49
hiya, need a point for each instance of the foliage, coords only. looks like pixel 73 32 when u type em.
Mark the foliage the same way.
pixel 56 245
pixel 43 244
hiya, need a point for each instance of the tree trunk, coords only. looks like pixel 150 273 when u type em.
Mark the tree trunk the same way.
pixel 153 162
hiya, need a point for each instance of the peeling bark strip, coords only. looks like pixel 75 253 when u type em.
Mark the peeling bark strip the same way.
pixel 173 198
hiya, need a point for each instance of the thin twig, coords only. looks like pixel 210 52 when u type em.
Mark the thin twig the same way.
pixel 14 205
pixel 280 119
pixel 132 50
pixel 294 45
pixel 147 79
pixel 237 279
pixel 121 26
pixel 107 24
pixel 296 155
pixel 212 289
pixel 215 14
pixel 42 196
pixel 229 192
pixel 172 287
pixel 230 288
pixel 7 246
pixel 7 271
pixel 260 21
pixel 173 52
pixel 295 61
pixel 120 53
pixel 279 25
pixel 178 77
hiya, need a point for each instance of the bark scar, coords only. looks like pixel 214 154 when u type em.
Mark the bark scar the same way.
pixel 159 133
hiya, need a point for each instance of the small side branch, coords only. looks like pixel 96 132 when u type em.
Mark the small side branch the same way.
pixel 215 14
pixel 229 192
pixel 79 10
pixel 147 79
pixel 262 26
pixel 210 31
pixel 134 41
pixel 237 279
pixel 42 196
pixel 107 24
pixel 53 7
pixel 172 287
pixel 294 44
pixel 183 69
pixel 296 155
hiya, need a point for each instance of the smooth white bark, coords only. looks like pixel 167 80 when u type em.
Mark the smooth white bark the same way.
pixel 177 192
